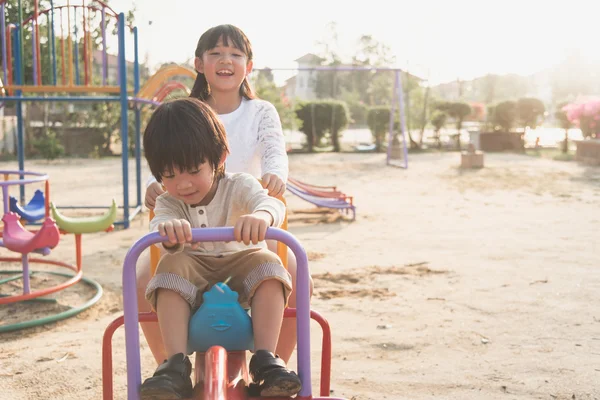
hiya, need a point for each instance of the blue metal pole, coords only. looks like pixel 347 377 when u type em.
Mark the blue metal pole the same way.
pixel 138 119
pixel 53 48
pixel 76 50
pixel 19 109
pixel 124 124
pixel 3 33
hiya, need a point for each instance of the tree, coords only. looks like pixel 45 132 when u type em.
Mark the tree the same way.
pixel 265 88
pixel 561 116
pixel 504 115
pixel 321 117
pixel 529 110
pixel 438 120
pixel 378 119
pixel 457 111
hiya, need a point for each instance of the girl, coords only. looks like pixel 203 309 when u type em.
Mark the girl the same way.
pixel 256 143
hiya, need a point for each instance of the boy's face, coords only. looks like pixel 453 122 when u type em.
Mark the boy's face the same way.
pixel 191 187
pixel 224 67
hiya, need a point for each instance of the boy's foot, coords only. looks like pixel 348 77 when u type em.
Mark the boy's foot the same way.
pixel 170 381
pixel 271 377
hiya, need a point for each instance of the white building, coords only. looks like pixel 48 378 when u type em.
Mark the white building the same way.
pixel 302 85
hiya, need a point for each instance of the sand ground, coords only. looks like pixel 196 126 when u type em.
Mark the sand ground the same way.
pixel 450 284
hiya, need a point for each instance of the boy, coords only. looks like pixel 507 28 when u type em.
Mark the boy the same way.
pixel 185 145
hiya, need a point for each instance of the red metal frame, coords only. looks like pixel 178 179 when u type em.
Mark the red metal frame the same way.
pixel 330 192
pixel 214 368
pixel 43 292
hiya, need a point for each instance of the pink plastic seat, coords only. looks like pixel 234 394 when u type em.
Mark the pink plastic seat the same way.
pixel 18 239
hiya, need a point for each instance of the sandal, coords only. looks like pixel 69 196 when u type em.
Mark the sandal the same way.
pixel 271 376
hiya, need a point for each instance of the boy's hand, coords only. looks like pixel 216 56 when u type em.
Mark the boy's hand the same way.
pixel 273 184
pixel 252 227
pixel 178 231
pixel 152 192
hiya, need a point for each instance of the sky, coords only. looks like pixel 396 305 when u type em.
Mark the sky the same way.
pixel 436 39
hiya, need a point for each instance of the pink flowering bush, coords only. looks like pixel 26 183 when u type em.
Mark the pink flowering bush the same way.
pixel 585 114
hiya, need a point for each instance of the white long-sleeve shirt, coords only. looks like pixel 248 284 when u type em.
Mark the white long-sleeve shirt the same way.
pixel 236 195
pixel 256 141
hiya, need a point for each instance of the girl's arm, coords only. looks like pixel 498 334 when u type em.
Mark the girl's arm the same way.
pixel 271 142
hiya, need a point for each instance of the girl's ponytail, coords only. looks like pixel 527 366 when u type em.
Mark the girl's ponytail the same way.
pixel 200 89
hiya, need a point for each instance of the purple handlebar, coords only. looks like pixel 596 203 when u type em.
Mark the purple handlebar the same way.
pixel 132 341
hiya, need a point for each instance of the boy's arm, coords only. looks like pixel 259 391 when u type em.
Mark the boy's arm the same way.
pixel 165 211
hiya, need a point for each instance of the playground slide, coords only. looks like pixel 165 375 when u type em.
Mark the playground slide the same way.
pixel 161 77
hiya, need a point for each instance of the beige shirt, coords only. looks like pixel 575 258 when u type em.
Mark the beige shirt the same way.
pixel 237 195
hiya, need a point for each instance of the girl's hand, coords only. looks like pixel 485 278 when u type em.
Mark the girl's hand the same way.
pixel 252 227
pixel 178 231
pixel 274 184
pixel 152 192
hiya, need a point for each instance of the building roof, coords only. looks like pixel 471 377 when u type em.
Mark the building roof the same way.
pixel 309 58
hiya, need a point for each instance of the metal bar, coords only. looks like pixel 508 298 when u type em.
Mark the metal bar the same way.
pixel 124 122
pixel 20 99
pixel 36 33
pixel 25 262
pixel 53 39
pixel 74 89
pixel 3 32
pixel 104 55
pixel 402 116
pixel 76 52
pixel 138 120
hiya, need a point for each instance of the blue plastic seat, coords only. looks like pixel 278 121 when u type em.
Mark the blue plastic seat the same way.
pixel 220 321
pixel 34 211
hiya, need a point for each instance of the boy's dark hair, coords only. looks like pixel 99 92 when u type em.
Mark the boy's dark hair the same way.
pixel 208 40
pixel 184 133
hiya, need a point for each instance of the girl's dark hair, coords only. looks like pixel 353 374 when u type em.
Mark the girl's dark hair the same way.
pixel 184 133
pixel 208 40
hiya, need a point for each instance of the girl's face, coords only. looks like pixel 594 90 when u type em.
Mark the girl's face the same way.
pixel 224 67
pixel 191 187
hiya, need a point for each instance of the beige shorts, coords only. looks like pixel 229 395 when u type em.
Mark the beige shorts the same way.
pixel 191 275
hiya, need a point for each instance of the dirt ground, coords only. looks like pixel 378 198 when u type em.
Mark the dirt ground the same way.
pixel 450 284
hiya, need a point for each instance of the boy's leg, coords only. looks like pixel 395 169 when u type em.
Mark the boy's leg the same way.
pixel 171 380
pixel 267 314
pixel 269 372
pixel 173 318
pixel 288 334
pixel 151 329
pixel 172 292
pixel 260 279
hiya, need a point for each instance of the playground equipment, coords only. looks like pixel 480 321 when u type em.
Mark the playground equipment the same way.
pixel 397 146
pixel 225 372
pixel 63 75
pixel 322 196
pixel 320 191
pixel 16 238
pixel 34 87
